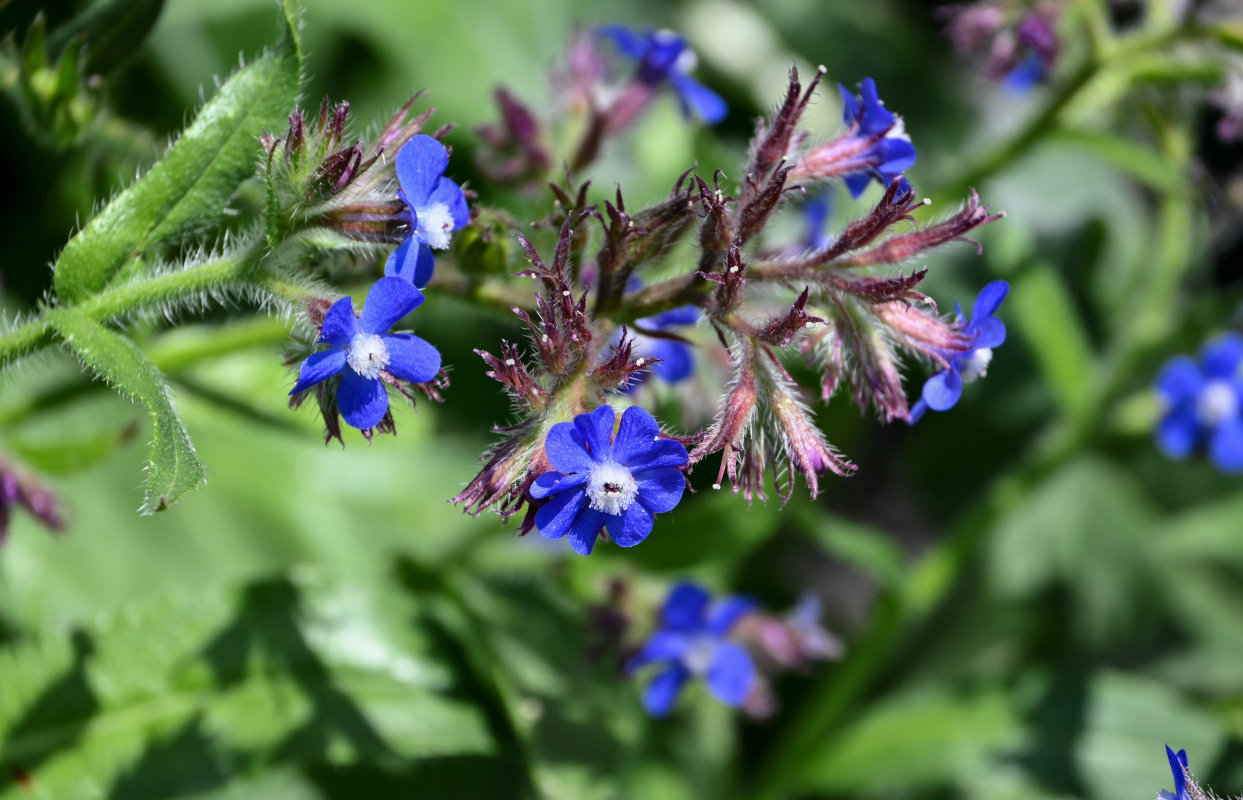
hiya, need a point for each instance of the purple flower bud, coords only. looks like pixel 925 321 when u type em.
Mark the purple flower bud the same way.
pixel 24 491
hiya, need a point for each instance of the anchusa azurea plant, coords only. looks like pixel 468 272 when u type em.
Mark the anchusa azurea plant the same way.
pixel 1185 786
pixel 1018 43
pixel 1202 404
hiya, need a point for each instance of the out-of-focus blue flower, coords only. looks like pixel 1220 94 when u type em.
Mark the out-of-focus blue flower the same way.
pixel 943 390
pixel 692 643
pixel 603 482
pixel 1027 74
pixel 1204 404
pixel 816 213
pixel 1178 765
pixel 677 359
pixel 888 151
pixel 665 57
pixel 362 350
pixel 435 206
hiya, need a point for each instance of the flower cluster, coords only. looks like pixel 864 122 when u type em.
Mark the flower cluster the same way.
pixel 1203 404
pixel 985 331
pixel 731 645
pixel 1020 47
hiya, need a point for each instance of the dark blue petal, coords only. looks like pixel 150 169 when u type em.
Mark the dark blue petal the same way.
pixel 850 105
pixel 1029 72
pixel 942 390
pixel 723 615
pixel 636 435
pixel 661 489
pixel 816 213
pixel 682 315
pixel 586 530
pixel 362 401
pixel 664 48
pixel 556 517
pixel 340 324
pixel 1221 356
pixel 731 675
pixel 388 301
pixel 633 526
pixel 566 450
pixel 685 607
pixel 663 690
pixel 1178 432
pixel 1226 445
pixel 989 299
pixel 450 194
pixel 665 453
pixel 410 358
pixel 989 332
pixel 630 44
pixel 424 265
pixel 662 646
pixel 401 262
pixel 1180 379
pixel 420 163
pixel 917 412
pixel 876 117
pixel 319 367
pixel 551 483
pixel 698 99
pixel 596 428
pixel 1178 764
pixel 677 360
pixel 895 155
pixel 857 182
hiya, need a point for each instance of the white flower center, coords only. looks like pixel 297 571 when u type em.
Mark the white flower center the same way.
pixel 1217 403
pixel 686 62
pixel 435 225
pixel 975 365
pixel 367 355
pixel 611 488
pixel 699 654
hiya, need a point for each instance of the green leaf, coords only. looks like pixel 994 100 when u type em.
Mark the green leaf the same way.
pixel 192 185
pixel 174 467
pixel 190 692
pixel 1142 163
pixel 1051 327
pixel 111 29
pixel 921 739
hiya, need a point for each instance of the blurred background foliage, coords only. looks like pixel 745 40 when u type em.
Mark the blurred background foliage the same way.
pixel 1033 598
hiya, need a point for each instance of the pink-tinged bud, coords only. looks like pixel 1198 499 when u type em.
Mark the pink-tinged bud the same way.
pixel 802 446
pixel 920 329
pixel 735 418
pixel 514 151
pixel 730 281
pixel 512 373
pixel 775 141
pixel 908 245
pixel 790 641
pixel 859 347
pixel 510 467
pixel 18 490
pixel 972 27
pixel 716 232
pixel 562 333
pixel 780 330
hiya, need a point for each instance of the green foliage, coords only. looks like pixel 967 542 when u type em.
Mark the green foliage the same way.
pixel 174 467
pixel 189 189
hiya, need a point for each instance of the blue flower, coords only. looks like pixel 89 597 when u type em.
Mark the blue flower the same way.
pixel 362 351
pixel 888 149
pixel 436 207
pixel 942 390
pixel 665 57
pixel 1027 74
pixel 1204 404
pixel 597 483
pixel 1178 765
pixel 677 359
pixel 816 213
pixel 691 642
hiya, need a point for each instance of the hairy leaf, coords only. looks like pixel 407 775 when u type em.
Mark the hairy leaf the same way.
pixel 193 183
pixel 174 467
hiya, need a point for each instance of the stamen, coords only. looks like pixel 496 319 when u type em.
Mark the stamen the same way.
pixel 368 355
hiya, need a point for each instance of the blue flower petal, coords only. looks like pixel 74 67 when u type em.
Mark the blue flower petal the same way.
pixel 566 450
pixel 661 693
pixel 556 517
pixel 1226 445
pixel 989 299
pixel 662 646
pixel 362 401
pixel 665 453
pixel 685 607
pixel 698 99
pixel 943 390
pixel 1024 77
pixel 551 483
pixel 677 360
pixel 876 117
pixel 896 154
pixel 636 434
pixel 450 194
pixel 319 367
pixel 585 531
pixel 1178 432
pixel 850 105
pixel 660 489
pixel 989 332
pixel 917 412
pixel 682 315
pixel 630 44
pixel 340 324
pixel 723 615
pixel 420 162
pixel 635 526
pixel 1178 765
pixel 410 358
pixel 857 182
pixel 816 213
pixel 596 428
pixel 732 674
pixel 1221 357
pixel 1180 379
pixel 388 300
pixel 412 261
